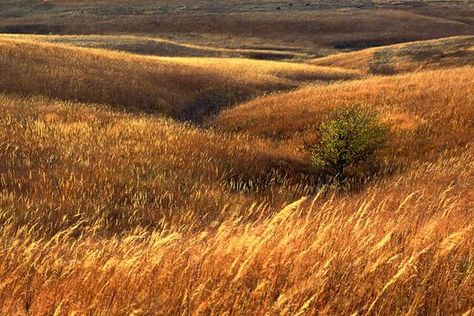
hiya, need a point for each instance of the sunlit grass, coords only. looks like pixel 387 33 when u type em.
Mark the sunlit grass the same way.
pixel 110 212
pixel 429 111
pixel 402 246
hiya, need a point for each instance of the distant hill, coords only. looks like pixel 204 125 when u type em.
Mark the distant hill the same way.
pixel 146 45
pixel 413 56
pixel 317 27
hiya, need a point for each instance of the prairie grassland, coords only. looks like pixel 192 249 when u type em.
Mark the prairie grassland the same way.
pixel 131 82
pixel 407 57
pixel 402 246
pixel 321 24
pixel 63 159
pixel 110 212
pixel 430 111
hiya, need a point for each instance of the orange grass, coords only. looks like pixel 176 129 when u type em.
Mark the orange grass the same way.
pixel 60 160
pixel 404 246
pixel 110 213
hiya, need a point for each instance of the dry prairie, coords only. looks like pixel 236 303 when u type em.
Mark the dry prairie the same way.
pixel 407 57
pixel 111 204
pixel 109 213
pixel 317 26
pixel 157 46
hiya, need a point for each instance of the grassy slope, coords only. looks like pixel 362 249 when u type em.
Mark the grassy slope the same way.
pixel 407 57
pixel 82 173
pixel 431 111
pixel 59 159
pixel 176 87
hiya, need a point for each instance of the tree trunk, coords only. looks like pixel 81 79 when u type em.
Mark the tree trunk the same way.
pixel 340 173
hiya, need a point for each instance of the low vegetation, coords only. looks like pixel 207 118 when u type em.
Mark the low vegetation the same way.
pixel 110 204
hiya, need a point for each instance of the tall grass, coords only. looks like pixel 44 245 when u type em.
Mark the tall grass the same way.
pixel 429 111
pixel 108 213
pixel 403 246
pixel 60 160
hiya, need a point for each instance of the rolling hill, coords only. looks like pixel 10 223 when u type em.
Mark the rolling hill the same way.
pixel 154 166
pixel 163 47
pixel 406 57
pixel 317 26
pixel 432 111
pixel 183 88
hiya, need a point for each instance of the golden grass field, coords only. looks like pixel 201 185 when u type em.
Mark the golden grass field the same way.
pixel 135 180
pixel 153 45
pixel 110 213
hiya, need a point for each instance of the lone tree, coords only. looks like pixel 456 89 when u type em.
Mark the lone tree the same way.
pixel 350 136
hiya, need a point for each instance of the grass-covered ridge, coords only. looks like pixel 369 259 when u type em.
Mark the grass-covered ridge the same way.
pixel 178 87
pixel 152 45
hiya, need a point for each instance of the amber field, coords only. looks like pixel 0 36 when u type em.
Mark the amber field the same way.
pixel 143 175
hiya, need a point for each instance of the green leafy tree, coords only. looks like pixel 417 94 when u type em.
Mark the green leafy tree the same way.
pixel 350 136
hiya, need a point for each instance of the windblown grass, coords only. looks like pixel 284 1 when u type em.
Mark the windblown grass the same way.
pixel 403 246
pixel 60 160
pixel 108 213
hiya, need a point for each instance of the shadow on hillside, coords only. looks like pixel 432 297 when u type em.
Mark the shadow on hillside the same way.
pixel 210 102
pixel 39 29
